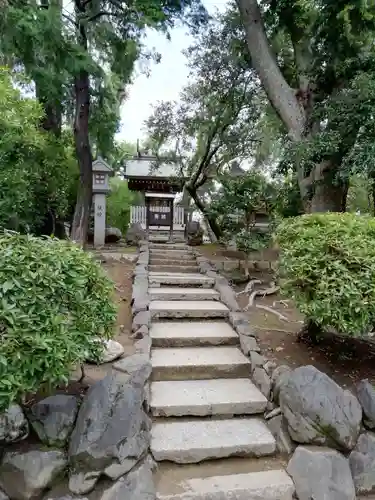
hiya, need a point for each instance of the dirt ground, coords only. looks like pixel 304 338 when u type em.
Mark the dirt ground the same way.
pixel 346 360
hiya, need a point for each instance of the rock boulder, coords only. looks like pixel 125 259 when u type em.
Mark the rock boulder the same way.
pixel 111 434
pixel 321 474
pixel 318 411
pixel 13 425
pixel 135 234
pixel 112 235
pixel 366 396
pixel 53 418
pixel 25 475
pixel 362 464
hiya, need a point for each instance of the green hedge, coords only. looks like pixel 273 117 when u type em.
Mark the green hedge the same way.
pixel 327 266
pixel 54 299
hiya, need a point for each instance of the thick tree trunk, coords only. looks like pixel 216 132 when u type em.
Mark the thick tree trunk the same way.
pixel 202 207
pixel 83 151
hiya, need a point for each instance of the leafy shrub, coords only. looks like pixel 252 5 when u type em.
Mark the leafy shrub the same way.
pixel 54 300
pixel 327 266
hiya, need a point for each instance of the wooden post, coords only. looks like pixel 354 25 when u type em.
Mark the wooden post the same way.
pixel 172 217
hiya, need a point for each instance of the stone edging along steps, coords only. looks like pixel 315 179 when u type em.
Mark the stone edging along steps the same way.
pixel 225 420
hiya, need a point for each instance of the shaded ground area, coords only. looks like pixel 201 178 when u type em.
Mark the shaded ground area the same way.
pixel 346 360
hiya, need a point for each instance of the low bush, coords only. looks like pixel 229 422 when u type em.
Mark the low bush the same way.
pixel 327 266
pixel 54 300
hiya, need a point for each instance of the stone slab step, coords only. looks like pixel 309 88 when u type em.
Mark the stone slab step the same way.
pixel 188 309
pixel 169 246
pixel 195 363
pixel 176 293
pixel 191 333
pixel 201 398
pixel 263 485
pixel 165 260
pixel 179 279
pixel 168 268
pixel 193 441
pixel 171 254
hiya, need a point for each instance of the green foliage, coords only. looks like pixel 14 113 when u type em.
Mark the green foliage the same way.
pixel 236 206
pixel 118 204
pixel 54 299
pixel 327 266
pixel 38 171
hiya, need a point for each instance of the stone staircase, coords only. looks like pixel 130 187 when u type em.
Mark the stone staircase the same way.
pixel 208 433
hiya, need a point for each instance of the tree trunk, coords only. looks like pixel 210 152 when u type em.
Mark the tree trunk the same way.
pixel 201 206
pixel 320 192
pixel 83 150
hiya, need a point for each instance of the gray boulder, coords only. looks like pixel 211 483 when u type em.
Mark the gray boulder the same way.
pixel 112 234
pixel 318 411
pixel 279 429
pixel 13 425
pixel 135 234
pixel 279 377
pixel 321 474
pixel 262 381
pixel 136 485
pixel 27 475
pixel 3 496
pixel 136 367
pixel 194 233
pixel 366 396
pixel 53 418
pixel 112 432
pixel 227 294
pixel 362 464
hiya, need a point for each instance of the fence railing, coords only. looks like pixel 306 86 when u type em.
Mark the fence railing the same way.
pixel 138 214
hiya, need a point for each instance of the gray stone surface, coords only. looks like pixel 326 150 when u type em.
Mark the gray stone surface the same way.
pixel 192 334
pixel 319 411
pixel 241 323
pixel 178 293
pixel 262 381
pixel 3 496
pixel 248 344
pixel 279 428
pixel 135 234
pixel 112 234
pixel 183 279
pixel 321 474
pixel 264 485
pixel 112 350
pixel 279 376
pixel 140 298
pixel 140 319
pixel 198 363
pixel 237 396
pixel 25 475
pixel 143 346
pixel 197 440
pixel 227 294
pixel 140 333
pixel 362 464
pixel 256 360
pixel 366 396
pixel 13 425
pixel 188 309
pixel 136 485
pixel 53 418
pixel 136 367
pixel 111 433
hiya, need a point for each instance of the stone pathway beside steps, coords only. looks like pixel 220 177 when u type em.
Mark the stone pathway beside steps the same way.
pixel 206 410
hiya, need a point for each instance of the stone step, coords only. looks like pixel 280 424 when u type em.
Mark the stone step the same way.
pixel 193 441
pixel 178 293
pixel 169 246
pixel 191 333
pixel 165 260
pixel 262 485
pixel 201 398
pixel 188 309
pixel 180 279
pixel 167 268
pixel 171 254
pixel 195 363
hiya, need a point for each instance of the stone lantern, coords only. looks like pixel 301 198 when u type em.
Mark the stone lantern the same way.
pixel 101 172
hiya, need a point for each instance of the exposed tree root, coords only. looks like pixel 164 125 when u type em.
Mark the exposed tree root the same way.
pixel 269 309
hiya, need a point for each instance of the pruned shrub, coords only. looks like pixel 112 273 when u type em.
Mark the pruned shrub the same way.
pixel 54 301
pixel 327 266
